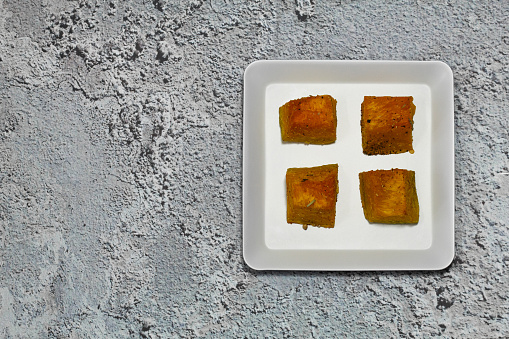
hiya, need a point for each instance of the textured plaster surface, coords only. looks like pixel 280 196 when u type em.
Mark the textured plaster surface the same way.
pixel 121 170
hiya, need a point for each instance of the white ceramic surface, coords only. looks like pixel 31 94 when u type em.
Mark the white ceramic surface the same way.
pixel 353 244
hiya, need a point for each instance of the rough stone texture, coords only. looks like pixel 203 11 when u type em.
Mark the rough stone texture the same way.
pixel 121 158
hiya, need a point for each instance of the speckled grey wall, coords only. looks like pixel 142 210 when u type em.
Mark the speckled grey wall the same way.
pixel 121 159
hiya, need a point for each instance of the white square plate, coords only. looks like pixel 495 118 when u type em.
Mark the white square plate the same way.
pixel 353 244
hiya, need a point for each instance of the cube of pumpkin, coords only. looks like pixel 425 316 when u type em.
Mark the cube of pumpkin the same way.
pixel 389 196
pixel 310 120
pixel 311 195
pixel 387 124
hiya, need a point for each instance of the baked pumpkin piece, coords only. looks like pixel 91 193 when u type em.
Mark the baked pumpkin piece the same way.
pixel 389 196
pixel 310 120
pixel 387 125
pixel 311 195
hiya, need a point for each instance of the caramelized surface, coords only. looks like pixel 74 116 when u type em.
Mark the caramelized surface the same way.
pixel 389 196
pixel 310 120
pixel 387 124
pixel 311 195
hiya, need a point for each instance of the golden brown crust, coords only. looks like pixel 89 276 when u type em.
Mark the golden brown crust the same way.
pixel 310 120
pixel 387 124
pixel 389 196
pixel 311 195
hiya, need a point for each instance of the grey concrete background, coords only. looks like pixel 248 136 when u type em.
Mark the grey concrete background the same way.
pixel 121 158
